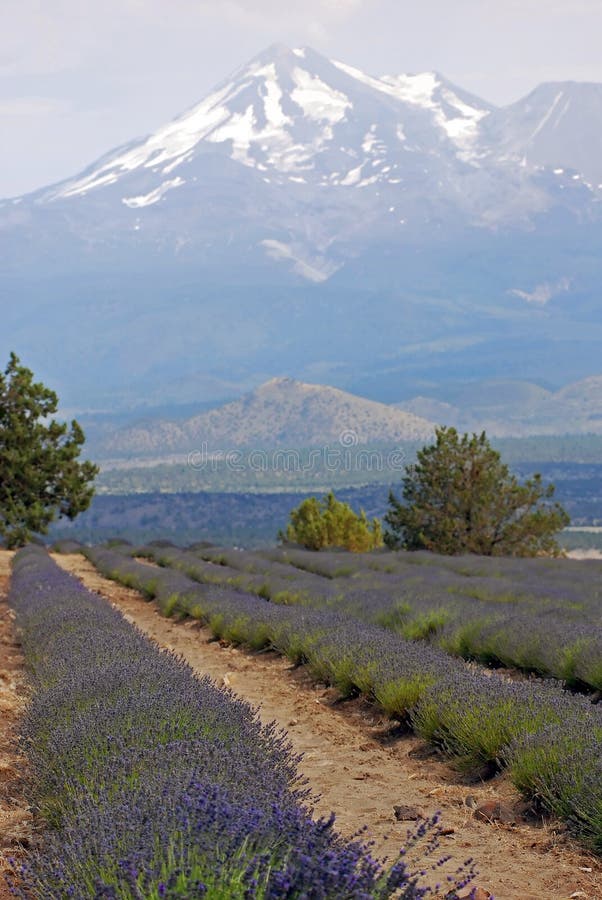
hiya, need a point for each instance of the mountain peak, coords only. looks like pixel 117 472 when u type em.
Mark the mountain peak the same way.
pixel 280 54
pixel 556 126
pixel 277 49
pixel 281 381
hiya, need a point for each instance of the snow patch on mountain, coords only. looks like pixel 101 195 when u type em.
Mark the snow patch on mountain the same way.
pixel 370 139
pixel 316 269
pixel 543 293
pixel 353 176
pixel 274 114
pixel 463 130
pixel 548 115
pixel 416 89
pixel 152 196
pixel 318 100
pixel 177 162
pixel 240 130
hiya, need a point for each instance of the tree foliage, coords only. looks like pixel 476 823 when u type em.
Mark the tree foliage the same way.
pixel 460 498
pixel 329 523
pixel 40 475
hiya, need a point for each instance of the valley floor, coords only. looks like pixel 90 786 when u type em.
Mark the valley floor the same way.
pixel 361 770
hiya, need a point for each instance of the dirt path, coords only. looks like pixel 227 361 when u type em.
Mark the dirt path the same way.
pixel 15 818
pixel 362 775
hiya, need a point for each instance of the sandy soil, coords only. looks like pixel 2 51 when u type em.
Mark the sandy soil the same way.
pixel 361 770
pixel 15 817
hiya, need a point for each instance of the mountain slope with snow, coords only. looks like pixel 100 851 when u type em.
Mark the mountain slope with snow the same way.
pixel 309 218
pixel 325 157
pixel 291 114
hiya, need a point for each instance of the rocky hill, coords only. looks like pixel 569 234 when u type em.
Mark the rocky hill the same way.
pixel 281 413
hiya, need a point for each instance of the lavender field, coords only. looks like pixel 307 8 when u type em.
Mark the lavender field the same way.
pixel 548 737
pixel 153 783
pixel 541 616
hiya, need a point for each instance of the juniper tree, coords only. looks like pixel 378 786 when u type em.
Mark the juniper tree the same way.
pixel 40 474
pixel 459 497
pixel 316 524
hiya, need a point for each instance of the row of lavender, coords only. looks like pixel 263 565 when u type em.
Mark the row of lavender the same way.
pixel 541 616
pixel 550 740
pixel 153 783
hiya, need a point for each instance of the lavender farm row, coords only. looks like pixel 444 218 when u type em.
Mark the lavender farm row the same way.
pixel 153 783
pixel 541 616
pixel 551 740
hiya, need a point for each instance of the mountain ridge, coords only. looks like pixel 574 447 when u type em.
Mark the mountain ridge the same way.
pixel 510 408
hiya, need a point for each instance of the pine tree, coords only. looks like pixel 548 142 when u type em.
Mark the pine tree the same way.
pixel 460 498
pixel 40 475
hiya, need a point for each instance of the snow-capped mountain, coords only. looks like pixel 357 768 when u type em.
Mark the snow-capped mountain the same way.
pixel 312 219
pixel 309 158
pixel 297 117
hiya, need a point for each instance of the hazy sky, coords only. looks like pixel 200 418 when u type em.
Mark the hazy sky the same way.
pixel 79 77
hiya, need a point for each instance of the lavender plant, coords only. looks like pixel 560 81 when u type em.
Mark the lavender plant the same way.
pixel 561 766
